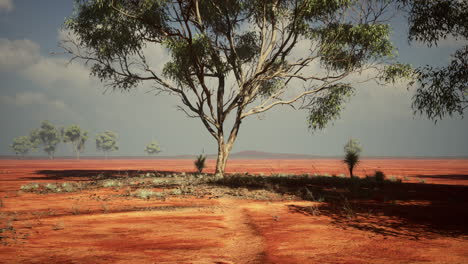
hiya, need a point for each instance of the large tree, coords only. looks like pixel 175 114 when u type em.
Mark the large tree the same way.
pixel 231 59
pixel 76 137
pixel 48 136
pixel 441 90
pixel 107 142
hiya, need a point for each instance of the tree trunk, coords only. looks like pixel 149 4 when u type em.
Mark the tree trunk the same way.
pixel 351 171
pixel 223 154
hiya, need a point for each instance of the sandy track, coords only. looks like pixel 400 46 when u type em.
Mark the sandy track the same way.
pixel 246 244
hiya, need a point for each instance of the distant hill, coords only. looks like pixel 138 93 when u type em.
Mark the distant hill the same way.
pixel 252 154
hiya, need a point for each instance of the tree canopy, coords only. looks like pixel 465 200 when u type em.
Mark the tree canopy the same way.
pixel 48 136
pixel 236 58
pixel 76 137
pixel 107 142
pixel 153 148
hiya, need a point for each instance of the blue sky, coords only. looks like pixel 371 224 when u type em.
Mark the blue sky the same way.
pixel 37 85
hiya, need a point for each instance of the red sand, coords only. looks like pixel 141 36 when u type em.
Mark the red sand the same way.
pixel 98 226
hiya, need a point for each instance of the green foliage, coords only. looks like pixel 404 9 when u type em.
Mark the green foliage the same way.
pixel 397 72
pixel 441 91
pixel 107 142
pixel 22 145
pixel 323 109
pixel 200 163
pixel 48 136
pixel 76 137
pixel 348 46
pixel 352 151
pixel 153 148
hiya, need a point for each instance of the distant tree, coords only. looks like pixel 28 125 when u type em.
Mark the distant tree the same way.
pixel 441 90
pixel 153 148
pixel 107 142
pixel 22 145
pixel 231 59
pixel 77 137
pixel 352 151
pixel 48 136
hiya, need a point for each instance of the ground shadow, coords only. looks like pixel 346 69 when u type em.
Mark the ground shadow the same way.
pixel 388 208
pixel 458 177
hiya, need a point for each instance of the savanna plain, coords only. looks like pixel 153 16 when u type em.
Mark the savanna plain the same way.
pixel 262 211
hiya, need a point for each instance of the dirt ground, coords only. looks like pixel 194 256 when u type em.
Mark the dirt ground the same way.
pixel 422 220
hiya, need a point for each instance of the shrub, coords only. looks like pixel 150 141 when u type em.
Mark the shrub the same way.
pixel 51 187
pixel 145 193
pixel 111 183
pixel 68 187
pixel 30 187
pixel 394 179
pixel 177 192
pixel 158 181
pixel 200 163
pixel 379 176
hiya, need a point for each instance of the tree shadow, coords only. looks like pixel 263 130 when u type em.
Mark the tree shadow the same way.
pixel 387 208
pixel 92 174
pixel 458 177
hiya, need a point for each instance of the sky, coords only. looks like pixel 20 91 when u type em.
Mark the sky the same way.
pixel 37 83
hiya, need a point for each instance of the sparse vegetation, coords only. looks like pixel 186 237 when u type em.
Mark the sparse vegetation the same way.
pixel 145 193
pixel 51 187
pixel 29 187
pixel 111 183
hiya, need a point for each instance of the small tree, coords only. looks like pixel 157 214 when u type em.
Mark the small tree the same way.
pixel 22 145
pixel 76 137
pixel 153 148
pixel 48 136
pixel 107 142
pixel 200 163
pixel 352 151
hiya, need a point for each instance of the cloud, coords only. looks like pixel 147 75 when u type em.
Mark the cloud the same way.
pixel 17 54
pixel 25 99
pixel 6 5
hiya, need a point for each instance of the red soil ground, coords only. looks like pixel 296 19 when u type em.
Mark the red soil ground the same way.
pixel 97 226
